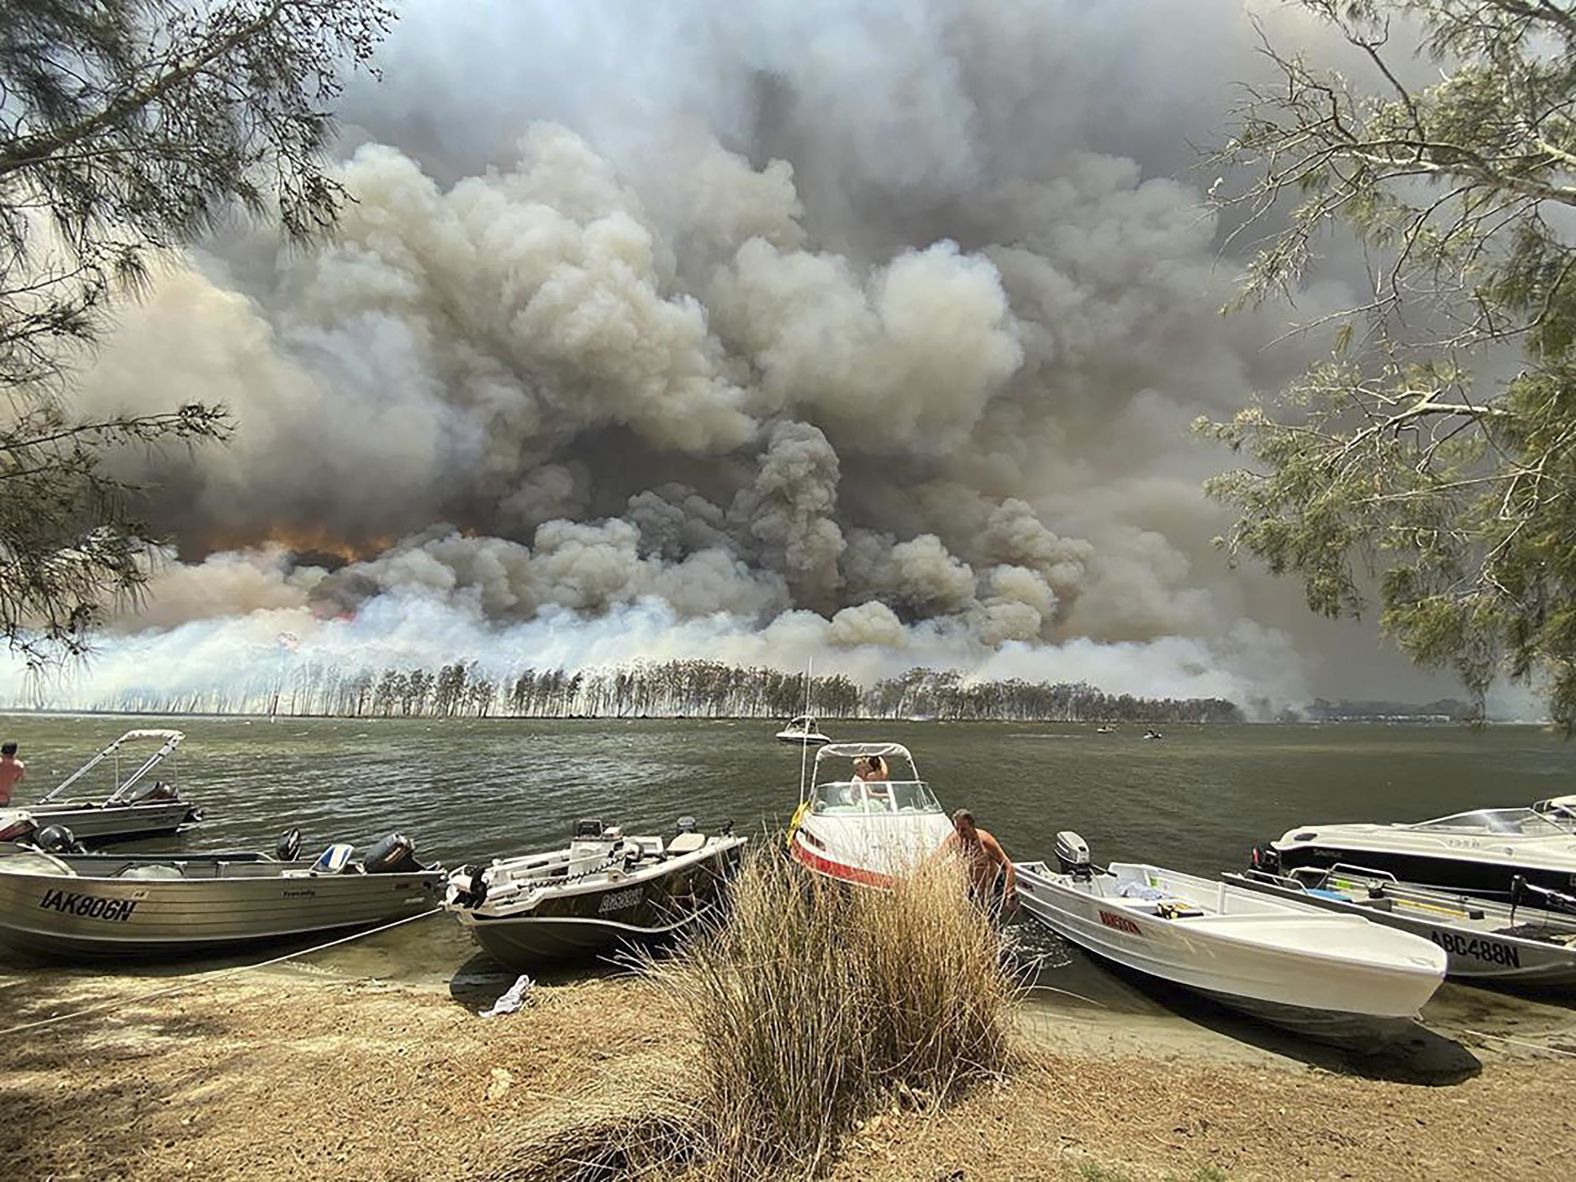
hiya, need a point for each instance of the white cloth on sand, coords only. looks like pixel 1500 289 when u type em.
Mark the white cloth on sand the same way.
pixel 516 997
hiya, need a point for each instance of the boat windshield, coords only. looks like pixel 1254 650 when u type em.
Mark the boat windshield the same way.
pixel 882 798
pixel 1512 822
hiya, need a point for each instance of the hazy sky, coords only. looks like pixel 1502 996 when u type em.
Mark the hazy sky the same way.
pixel 869 331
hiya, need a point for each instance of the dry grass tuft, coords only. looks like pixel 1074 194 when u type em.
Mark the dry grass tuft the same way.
pixel 815 1004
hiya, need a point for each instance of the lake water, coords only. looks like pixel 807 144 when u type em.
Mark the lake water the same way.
pixel 467 790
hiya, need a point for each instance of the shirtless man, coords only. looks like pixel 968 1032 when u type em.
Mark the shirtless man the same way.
pixel 12 772
pixel 983 860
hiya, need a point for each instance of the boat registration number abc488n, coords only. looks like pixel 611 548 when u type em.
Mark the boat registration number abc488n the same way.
pixel 88 906
pixel 1491 951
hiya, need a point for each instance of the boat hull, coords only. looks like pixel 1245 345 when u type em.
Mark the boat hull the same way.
pixel 1484 873
pixel 868 850
pixel 97 824
pixel 1478 956
pixel 88 916
pixel 1324 997
pixel 563 927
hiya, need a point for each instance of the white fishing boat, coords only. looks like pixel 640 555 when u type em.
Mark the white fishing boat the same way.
pixel 803 731
pixel 1522 943
pixel 1337 978
pixel 137 805
pixel 865 831
pixel 601 893
pixel 108 905
pixel 1477 853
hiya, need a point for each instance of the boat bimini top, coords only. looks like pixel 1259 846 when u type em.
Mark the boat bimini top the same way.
pixel 168 741
pixel 848 797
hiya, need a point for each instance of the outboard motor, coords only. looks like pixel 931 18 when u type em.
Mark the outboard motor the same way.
pixel 158 790
pixel 395 854
pixel 21 827
pixel 591 827
pixel 288 847
pixel 57 839
pixel 685 825
pixel 1072 854
pixel 1266 858
pixel 468 886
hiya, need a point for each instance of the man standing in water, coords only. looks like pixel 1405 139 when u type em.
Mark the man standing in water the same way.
pixel 12 772
pixel 987 865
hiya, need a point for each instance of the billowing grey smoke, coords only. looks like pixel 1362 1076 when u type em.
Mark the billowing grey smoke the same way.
pixel 887 311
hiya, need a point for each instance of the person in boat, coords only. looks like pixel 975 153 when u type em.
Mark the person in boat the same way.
pixel 871 771
pixel 12 772
pixel 993 881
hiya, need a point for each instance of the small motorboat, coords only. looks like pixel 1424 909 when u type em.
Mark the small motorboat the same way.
pixel 865 831
pixel 1477 853
pixel 1524 942
pixel 138 806
pixel 802 730
pixel 1105 729
pixel 1152 733
pixel 602 893
pixel 64 904
pixel 1337 978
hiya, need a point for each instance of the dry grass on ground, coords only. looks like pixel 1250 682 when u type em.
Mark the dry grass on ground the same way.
pixel 301 1077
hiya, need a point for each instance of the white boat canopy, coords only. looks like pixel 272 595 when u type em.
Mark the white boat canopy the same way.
pixel 169 740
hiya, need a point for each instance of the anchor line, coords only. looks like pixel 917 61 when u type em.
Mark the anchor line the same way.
pixel 217 974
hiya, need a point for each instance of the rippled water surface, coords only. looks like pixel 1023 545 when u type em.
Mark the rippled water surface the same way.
pixel 468 790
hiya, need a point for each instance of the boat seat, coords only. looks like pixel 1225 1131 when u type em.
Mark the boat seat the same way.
pixel 157 870
pixel 335 859
pixel 687 843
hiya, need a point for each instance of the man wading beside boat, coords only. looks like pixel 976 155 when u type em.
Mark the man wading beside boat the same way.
pixel 993 882
pixel 12 772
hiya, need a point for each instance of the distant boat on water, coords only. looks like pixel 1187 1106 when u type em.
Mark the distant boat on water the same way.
pixel 802 730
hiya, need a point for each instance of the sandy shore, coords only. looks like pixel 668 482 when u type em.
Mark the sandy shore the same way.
pixel 306 1073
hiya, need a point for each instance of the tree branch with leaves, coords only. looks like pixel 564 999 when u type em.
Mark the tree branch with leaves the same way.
pixel 1433 454
pixel 129 128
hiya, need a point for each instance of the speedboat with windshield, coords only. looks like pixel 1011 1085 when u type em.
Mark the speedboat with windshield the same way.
pixel 602 893
pixel 137 804
pixel 802 730
pixel 1477 853
pixel 1336 978
pixel 862 831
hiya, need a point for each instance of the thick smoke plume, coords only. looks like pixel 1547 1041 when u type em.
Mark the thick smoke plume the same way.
pixel 868 332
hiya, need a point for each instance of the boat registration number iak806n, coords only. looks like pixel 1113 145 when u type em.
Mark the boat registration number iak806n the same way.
pixel 88 906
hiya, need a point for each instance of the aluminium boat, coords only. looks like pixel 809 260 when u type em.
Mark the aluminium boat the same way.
pixel 1477 853
pixel 1521 943
pixel 602 893
pixel 138 805
pixel 1335 978
pixel 866 832
pixel 802 731
pixel 108 905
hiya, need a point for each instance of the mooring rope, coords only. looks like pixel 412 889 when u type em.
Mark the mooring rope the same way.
pixel 1522 1042
pixel 217 974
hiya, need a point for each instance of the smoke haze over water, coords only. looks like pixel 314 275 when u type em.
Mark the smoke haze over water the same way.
pixel 863 331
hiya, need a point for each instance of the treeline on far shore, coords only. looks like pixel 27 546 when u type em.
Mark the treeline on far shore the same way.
pixel 672 689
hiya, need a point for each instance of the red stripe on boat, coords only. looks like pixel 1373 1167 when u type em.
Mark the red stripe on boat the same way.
pixel 813 861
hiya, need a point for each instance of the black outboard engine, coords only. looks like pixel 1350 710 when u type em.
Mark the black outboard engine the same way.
pixel 19 828
pixel 685 825
pixel 469 886
pixel 1072 854
pixel 57 839
pixel 589 827
pixel 288 847
pixel 158 790
pixel 1266 858
pixel 395 854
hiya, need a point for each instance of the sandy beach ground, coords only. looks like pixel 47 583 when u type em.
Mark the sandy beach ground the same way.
pixel 320 1071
